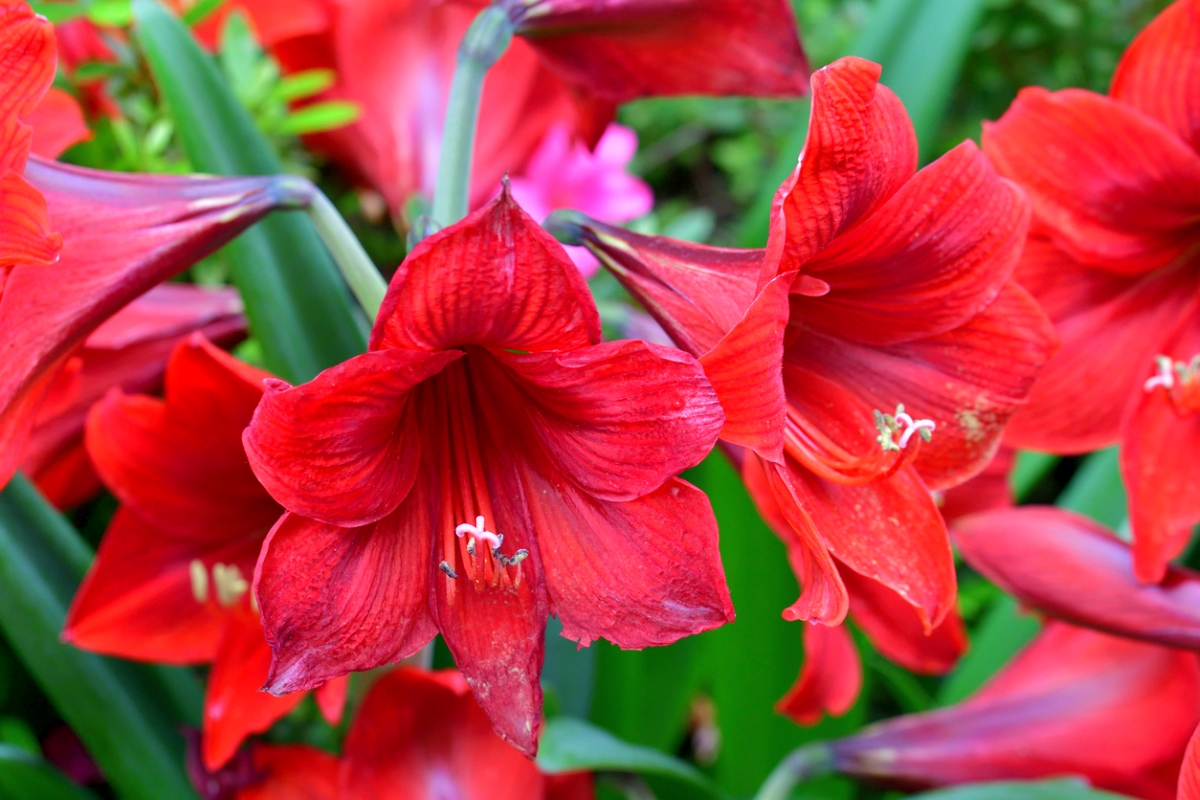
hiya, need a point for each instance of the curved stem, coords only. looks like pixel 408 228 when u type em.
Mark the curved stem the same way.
pixel 810 761
pixel 356 266
pixel 484 43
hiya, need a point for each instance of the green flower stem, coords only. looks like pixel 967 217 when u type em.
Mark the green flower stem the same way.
pixel 810 761
pixel 355 265
pixel 484 43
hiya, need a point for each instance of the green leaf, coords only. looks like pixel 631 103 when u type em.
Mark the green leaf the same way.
pixel 25 776
pixel 1029 471
pixel 59 12
pixel 116 13
pixel 572 745
pixel 1001 635
pixel 201 11
pixel 299 308
pixel 320 117
pixel 1096 489
pixel 121 711
pixel 304 84
pixel 1022 790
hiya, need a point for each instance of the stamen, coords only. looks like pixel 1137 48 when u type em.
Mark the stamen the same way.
pixel 479 531
pixel 902 424
pixel 199 576
pixel 449 570
pixel 1165 376
pixel 229 583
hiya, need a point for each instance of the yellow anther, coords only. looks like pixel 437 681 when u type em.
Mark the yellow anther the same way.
pixel 229 583
pixel 199 577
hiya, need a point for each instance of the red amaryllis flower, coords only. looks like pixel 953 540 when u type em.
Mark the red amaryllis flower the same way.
pixel 1115 186
pixel 485 464
pixel 1070 567
pixel 129 351
pixel 171 579
pixel 880 313
pixel 1074 702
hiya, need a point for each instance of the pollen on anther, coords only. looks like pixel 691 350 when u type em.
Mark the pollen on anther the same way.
pixel 199 576
pixel 449 570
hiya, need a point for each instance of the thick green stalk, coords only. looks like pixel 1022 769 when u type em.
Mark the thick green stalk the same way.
pixel 364 280
pixel 809 761
pixel 484 43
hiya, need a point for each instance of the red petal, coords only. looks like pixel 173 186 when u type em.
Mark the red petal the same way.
pixel 27 62
pixel 640 574
pixel 571 786
pixel 1111 327
pixel 343 448
pixel 1066 565
pixel 273 21
pixel 495 279
pixel 631 48
pixel 57 124
pixel 1159 73
pixel 990 489
pixel 1110 186
pixel 331 699
pixel 419 737
pixel 337 600
pixel 25 235
pixel 293 772
pixel 927 261
pixel 830 679
pixel 860 150
pixel 619 418
pixel 1189 775
pixel 895 628
pixel 234 705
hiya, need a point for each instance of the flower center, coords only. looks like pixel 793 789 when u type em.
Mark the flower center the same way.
pixel 481 559
pixel 1180 380
pixel 826 458
pixel 227 582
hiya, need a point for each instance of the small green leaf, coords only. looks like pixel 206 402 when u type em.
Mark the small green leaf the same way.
pixel 320 117
pixel 571 745
pixel 116 13
pixel 1022 790
pixel 23 776
pixel 304 84
pixel 1030 469
pixel 201 11
pixel 59 12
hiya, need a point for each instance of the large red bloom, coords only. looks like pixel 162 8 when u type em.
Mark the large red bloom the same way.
pixel 485 464
pixel 881 311
pixel 1112 257
pixel 1074 702
pixel 171 580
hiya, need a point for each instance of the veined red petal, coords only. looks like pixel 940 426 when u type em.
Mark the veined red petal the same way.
pixel 234 705
pixel 343 448
pixel 27 62
pixel 337 600
pixel 292 772
pixel 1068 566
pixel 926 261
pixel 830 678
pixel 1111 186
pixel 497 280
pixel 1159 75
pixel 860 150
pixel 57 124
pixel 1189 775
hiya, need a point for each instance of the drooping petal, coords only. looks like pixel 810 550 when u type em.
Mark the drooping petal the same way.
pixel 1159 74
pixel 292 772
pixel 337 600
pixel 830 678
pixel 1068 566
pixel 234 705
pixel 1189 775
pixel 860 150
pixel 926 261
pixel 1111 186
pixel 57 124
pixel 26 236
pixel 495 279
pixel 421 736
pixel 343 448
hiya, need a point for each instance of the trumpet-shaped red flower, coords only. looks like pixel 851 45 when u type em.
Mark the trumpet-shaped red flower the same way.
pixel 1112 257
pixel 1074 702
pixel 171 580
pixel 1072 568
pixel 485 464
pixel 128 351
pixel 871 354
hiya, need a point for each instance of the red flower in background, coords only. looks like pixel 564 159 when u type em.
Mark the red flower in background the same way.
pixel 1074 702
pixel 171 580
pixel 128 351
pixel 485 464
pixel 880 312
pixel 1112 257
pixel 1189 775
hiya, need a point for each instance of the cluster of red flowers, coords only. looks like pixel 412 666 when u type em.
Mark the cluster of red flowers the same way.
pixel 490 461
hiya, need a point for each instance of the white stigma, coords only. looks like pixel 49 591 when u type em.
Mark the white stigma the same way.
pixel 1165 376
pixel 479 531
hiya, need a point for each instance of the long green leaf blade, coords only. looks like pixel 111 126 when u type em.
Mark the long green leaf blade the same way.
pixel 24 777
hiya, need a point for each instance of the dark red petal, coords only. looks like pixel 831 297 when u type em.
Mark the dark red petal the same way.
pixel 234 705
pixel 571 786
pixel 1159 73
pixel 1112 187
pixel 622 50
pixel 830 678
pixel 925 262
pixel 331 699
pixel 338 600
pixel 1189 775
pixel 617 419
pixel 860 150
pixel 642 573
pixel 343 448
pixel 895 628
pixel 137 600
pixel 57 124
pixel 419 737
pixel 1070 567
pixel 494 279
pixel 1111 327
pixel 292 772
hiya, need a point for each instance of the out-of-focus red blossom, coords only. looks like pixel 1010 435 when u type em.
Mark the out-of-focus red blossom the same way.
pixel 1112 256
pixel 171 580
pixel 1074 702
pixel 128 351
pixel 486 407
pixel 1189 775
pixel 57 123
pixel 1070 567
pixel 80 42
pixel 990 489
pixel 273 21
pixel 62 748
pixel 395 59
pixel 830 679
pixel 880 286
